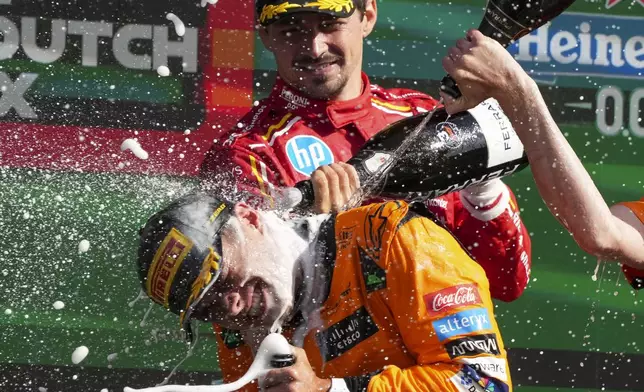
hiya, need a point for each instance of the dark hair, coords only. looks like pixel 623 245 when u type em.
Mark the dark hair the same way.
pixel 361 5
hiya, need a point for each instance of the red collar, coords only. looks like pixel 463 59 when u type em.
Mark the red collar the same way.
pixel 340 113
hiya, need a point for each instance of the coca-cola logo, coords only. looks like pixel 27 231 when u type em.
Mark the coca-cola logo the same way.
pixel 452 297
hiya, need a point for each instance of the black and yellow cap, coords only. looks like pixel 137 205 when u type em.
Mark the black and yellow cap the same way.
pixel 268 11
pixel 179 256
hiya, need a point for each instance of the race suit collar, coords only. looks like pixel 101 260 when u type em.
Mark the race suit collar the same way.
pixel 317 271
pixel 339 113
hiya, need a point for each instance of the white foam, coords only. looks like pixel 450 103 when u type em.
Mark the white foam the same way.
pixel 58 305
pixel 42 389
pixel 79 354
pixel 83 246
pixel 594 277
pixel 134 146
pixel 141 295
pixel 112 357
pixel 8 312
pixel 163 70
pixel 179 27
pixel 104 390
pixel 205 2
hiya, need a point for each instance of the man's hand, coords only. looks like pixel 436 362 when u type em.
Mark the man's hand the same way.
pixel 482 68
pixel 333 186
pixel 300 377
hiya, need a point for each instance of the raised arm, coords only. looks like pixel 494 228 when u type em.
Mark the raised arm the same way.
pixel 483 68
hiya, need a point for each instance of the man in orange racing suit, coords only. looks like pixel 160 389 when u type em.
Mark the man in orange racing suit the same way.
pixel 322 109
pixel 380 298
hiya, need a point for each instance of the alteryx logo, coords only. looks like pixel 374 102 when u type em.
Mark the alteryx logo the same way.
pixel 584 45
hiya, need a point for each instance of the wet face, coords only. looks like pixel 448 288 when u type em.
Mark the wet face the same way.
pixel 255 286
pixel 318 54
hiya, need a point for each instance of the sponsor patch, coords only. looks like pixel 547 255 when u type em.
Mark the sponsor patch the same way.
pixel 217 212
pixel 452 297
pixel 468 380
pixel 345 237
pixel 345 334
pixel 231 338
pixel 306 153
pixel 294 99
pixel 465 384
pixel 461 323
pixel 489 366
pixel 374 277
pixel 473 345
pixel 165 264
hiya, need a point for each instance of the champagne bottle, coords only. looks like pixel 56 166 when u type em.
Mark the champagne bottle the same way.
pixel 449 154
pixel 508 20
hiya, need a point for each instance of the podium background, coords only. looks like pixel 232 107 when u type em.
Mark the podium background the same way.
pixel 63 178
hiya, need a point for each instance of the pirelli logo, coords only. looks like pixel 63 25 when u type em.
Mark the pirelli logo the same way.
pixel 165 264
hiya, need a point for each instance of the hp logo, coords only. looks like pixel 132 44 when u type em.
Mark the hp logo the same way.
pixel 307 153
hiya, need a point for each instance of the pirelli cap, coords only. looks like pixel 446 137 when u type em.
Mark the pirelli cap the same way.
pixel 268 11
pixel 179 256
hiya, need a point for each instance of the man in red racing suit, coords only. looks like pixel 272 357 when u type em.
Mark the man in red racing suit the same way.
pixel 284 138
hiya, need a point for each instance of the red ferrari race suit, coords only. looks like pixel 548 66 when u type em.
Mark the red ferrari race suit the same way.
pixel 405 308
pixel 287 136
pixel 634 276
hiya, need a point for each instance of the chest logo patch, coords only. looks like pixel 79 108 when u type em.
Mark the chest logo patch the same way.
pixel 345 334
pixel 306 153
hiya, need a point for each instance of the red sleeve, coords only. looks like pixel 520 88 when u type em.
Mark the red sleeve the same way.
pixel 495 236
pixel 634 277
pixel 243 168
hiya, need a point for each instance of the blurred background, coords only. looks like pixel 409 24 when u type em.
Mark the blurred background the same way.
pixel 79 77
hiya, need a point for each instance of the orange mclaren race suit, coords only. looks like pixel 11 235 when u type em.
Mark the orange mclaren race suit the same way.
pixel 287 136
pixel 405 308
pixel 634 276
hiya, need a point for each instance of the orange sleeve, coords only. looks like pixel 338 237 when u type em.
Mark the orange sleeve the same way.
pixel 234 356
pixel 441 304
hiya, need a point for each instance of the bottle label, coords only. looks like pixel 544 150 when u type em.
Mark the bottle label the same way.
pixel 503 144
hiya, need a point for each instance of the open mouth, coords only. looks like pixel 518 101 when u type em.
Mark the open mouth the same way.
pixel 258 302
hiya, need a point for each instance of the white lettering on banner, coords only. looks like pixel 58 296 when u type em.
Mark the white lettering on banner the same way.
pixel 162 47
pixel 12 94
pixel 489 366
pixel 613 97
pixel 582 48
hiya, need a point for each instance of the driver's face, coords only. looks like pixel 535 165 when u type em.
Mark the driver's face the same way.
pixel 249 292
